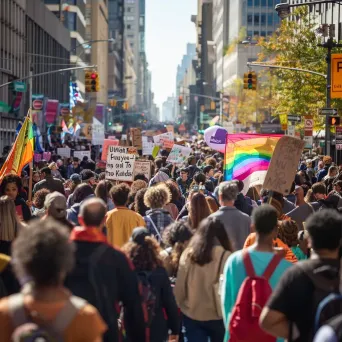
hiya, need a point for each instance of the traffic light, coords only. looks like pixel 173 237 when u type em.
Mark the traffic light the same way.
pixel 88 81
pixel 92 82
pixel 180 100
pixel 113 103
pixel 109 123
pixel 125 106
pixel 212 105
pixel 250 80
pixel 334 120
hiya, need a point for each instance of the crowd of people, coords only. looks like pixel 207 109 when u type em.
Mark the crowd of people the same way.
pixel 183 256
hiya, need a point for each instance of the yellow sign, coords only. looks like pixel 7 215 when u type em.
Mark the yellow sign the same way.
pixel 283 119
pixel 336 76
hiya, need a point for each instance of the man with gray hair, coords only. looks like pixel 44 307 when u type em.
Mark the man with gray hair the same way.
pixel 104 276
pixel 236 223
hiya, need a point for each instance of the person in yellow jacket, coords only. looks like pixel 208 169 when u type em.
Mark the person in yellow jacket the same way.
pixel 8 282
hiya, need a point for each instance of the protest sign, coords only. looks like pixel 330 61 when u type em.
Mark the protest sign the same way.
pixel 168 136
pixel 111 137
pixel 283 166
pixel 81 154
pixel 143 167
pixel 155 151
pixel 120 163
pixel 64 152
pixel 166 143
pixel 179 154
pixel 147 148
pixel 98 132
pixel 136 138
pixel 170 128
pixel 106 144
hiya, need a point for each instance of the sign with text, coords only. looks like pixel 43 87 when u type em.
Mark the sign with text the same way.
pixel 166 143
pixel 81 154
pixel 136 138
pixel 120 163
pixel 98 133
pixel 171 129
pixel 336 76
pixel 106 144
pixel 147 148
pixel 339 138
pixel 64 152
pixel 168 136
pixel 143 167
pixel 308 126
pixel 283 166
pixel 179 154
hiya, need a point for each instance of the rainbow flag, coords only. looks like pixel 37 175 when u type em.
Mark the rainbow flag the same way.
pixel 248 157
pixel 22 151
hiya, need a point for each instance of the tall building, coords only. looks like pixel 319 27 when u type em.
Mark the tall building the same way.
pixel 30 36
pixel 74 19
pixel 169 110
pixel 97 30
pixel 130 77
pixel 116 57
pixel 247 20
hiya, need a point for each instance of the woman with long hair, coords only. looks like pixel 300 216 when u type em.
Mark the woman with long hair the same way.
pixel 139 204
pixel 9 224
pixel 176 238
pixel 102 191
pixel 144 250
pixel 196 290
pixel 198 210
pixel 176 195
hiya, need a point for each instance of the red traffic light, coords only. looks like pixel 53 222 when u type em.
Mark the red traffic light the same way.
pixel 93 76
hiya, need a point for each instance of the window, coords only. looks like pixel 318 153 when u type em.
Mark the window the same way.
pixel 263 19
pixel 256 2
pixel 263 3
pixel 250 3
pixel 256 19
pixel 71 19
pixel 128 9
pixel 256 33
pixel 249 34
pixel 270 33
pixel 270 19
pixel 263 33
pixel 128 27
pixel 270 3
pixel 250 19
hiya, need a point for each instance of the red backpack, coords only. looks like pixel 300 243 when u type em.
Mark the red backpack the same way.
pixel 253 295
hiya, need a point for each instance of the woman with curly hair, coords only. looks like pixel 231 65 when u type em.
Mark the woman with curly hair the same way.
pixel 176 194
pixel 200 267
pixel 11 186
pixel 143 250
pixel 176 237
pixel 157 218
pixel 139 205
pixel 135 187
pixel 38 209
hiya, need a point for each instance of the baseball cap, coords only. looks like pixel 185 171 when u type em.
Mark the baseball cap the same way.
pixel 55 204
pixel 76 178
pixel 139 234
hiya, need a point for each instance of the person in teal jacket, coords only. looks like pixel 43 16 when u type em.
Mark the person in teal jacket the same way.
pixel 264 222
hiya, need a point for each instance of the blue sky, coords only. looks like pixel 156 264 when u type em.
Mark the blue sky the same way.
pixel 168 30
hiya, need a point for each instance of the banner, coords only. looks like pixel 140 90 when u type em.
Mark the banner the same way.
pixel 136 138
pixel 167 144
pixel 81 154
pixel 143 167
pixel 106 144
pixel 168 136
pixel 120 163
pixel 179 154
pixel 64 152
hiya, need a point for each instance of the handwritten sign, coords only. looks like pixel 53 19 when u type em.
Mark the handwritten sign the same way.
pixel 144 167
pixel 167 143
pixel 64 152
pixel 81 154
pixel 283 166
pixel 147 148
pixel 179 154
pixel 120 163
pixel 168 136
pixel 170 128
pixel 106 144
pixel 136 138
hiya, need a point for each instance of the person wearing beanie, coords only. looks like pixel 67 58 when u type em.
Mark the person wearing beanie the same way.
pixel 160 176
pixel 88 177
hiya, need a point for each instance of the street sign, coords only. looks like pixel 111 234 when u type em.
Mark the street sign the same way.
pixel 294 118
pixel 328 111
pixel 19 86
pixel 336 76
pixel 291 131
pixel 308 141
pixel 308 125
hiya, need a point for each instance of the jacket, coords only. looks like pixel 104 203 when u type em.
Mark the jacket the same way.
pixel 166 315
pixel 22 209
pixel 113 281
pixel 8 282
pixel 72 213
pixel 194 289
pixel 50 183
pixel 161 219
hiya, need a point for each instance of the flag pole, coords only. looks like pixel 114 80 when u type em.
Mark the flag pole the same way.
pixel 30 118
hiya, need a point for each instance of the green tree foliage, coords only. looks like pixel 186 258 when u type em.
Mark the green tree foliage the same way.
pixel 295 44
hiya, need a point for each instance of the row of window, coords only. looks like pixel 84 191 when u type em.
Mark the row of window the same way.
pixel 251 34
pixel 263 3
pixel 270 19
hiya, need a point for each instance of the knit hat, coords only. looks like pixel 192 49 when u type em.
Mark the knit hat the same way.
pixel 159 177
pixel 139 234
pixel 87 175
pixel 55 204
pixel 76 178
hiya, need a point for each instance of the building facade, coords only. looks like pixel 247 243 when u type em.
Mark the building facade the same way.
pixel 169 110
pixel 130 77
pixel 30 37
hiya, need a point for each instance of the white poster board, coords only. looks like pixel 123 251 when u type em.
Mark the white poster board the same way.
pixel 120 163
pixel 64 152
pixel 147 148
pixel 81 154
pixel 167 136
pixel 179 154
pixel 144 167
pixel 98 132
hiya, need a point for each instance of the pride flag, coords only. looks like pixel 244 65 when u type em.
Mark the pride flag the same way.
pixel 22 151
pixel 248 157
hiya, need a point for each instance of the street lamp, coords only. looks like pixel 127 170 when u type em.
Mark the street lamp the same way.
pixel 284 10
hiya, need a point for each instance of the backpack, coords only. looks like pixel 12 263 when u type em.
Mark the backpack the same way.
pixel 252 297
pixel 244 204
pixel 148 295
pixel 25 330
pixel 327 298
pixel 334 326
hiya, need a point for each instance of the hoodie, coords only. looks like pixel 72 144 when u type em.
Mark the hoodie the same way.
pixel 72 213
pixel 158 178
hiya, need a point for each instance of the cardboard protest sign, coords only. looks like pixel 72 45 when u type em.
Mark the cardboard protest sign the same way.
pixel 170 128
pixel 147 148
pixel 136 138
pixel 81 154
pixel 168 136
pixel 106 144
pixel 179 154
pixel 283 166
pixel 144 167
pixel 120 163
pixel 166 143
pixel 64 152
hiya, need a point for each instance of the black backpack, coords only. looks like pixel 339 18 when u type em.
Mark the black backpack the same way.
pixel 148 295
pixel 327 298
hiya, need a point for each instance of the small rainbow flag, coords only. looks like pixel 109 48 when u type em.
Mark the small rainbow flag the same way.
pixel 248 157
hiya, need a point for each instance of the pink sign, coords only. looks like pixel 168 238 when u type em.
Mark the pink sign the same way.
pixel 47 156
pixel 51 108
pixel 37 157
pixel 106 144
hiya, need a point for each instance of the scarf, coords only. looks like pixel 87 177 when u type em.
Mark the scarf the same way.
pixel 87 234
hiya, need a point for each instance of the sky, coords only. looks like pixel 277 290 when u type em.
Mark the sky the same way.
pixel 168 30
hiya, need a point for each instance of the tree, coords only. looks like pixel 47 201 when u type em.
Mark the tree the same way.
pixel 294 44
